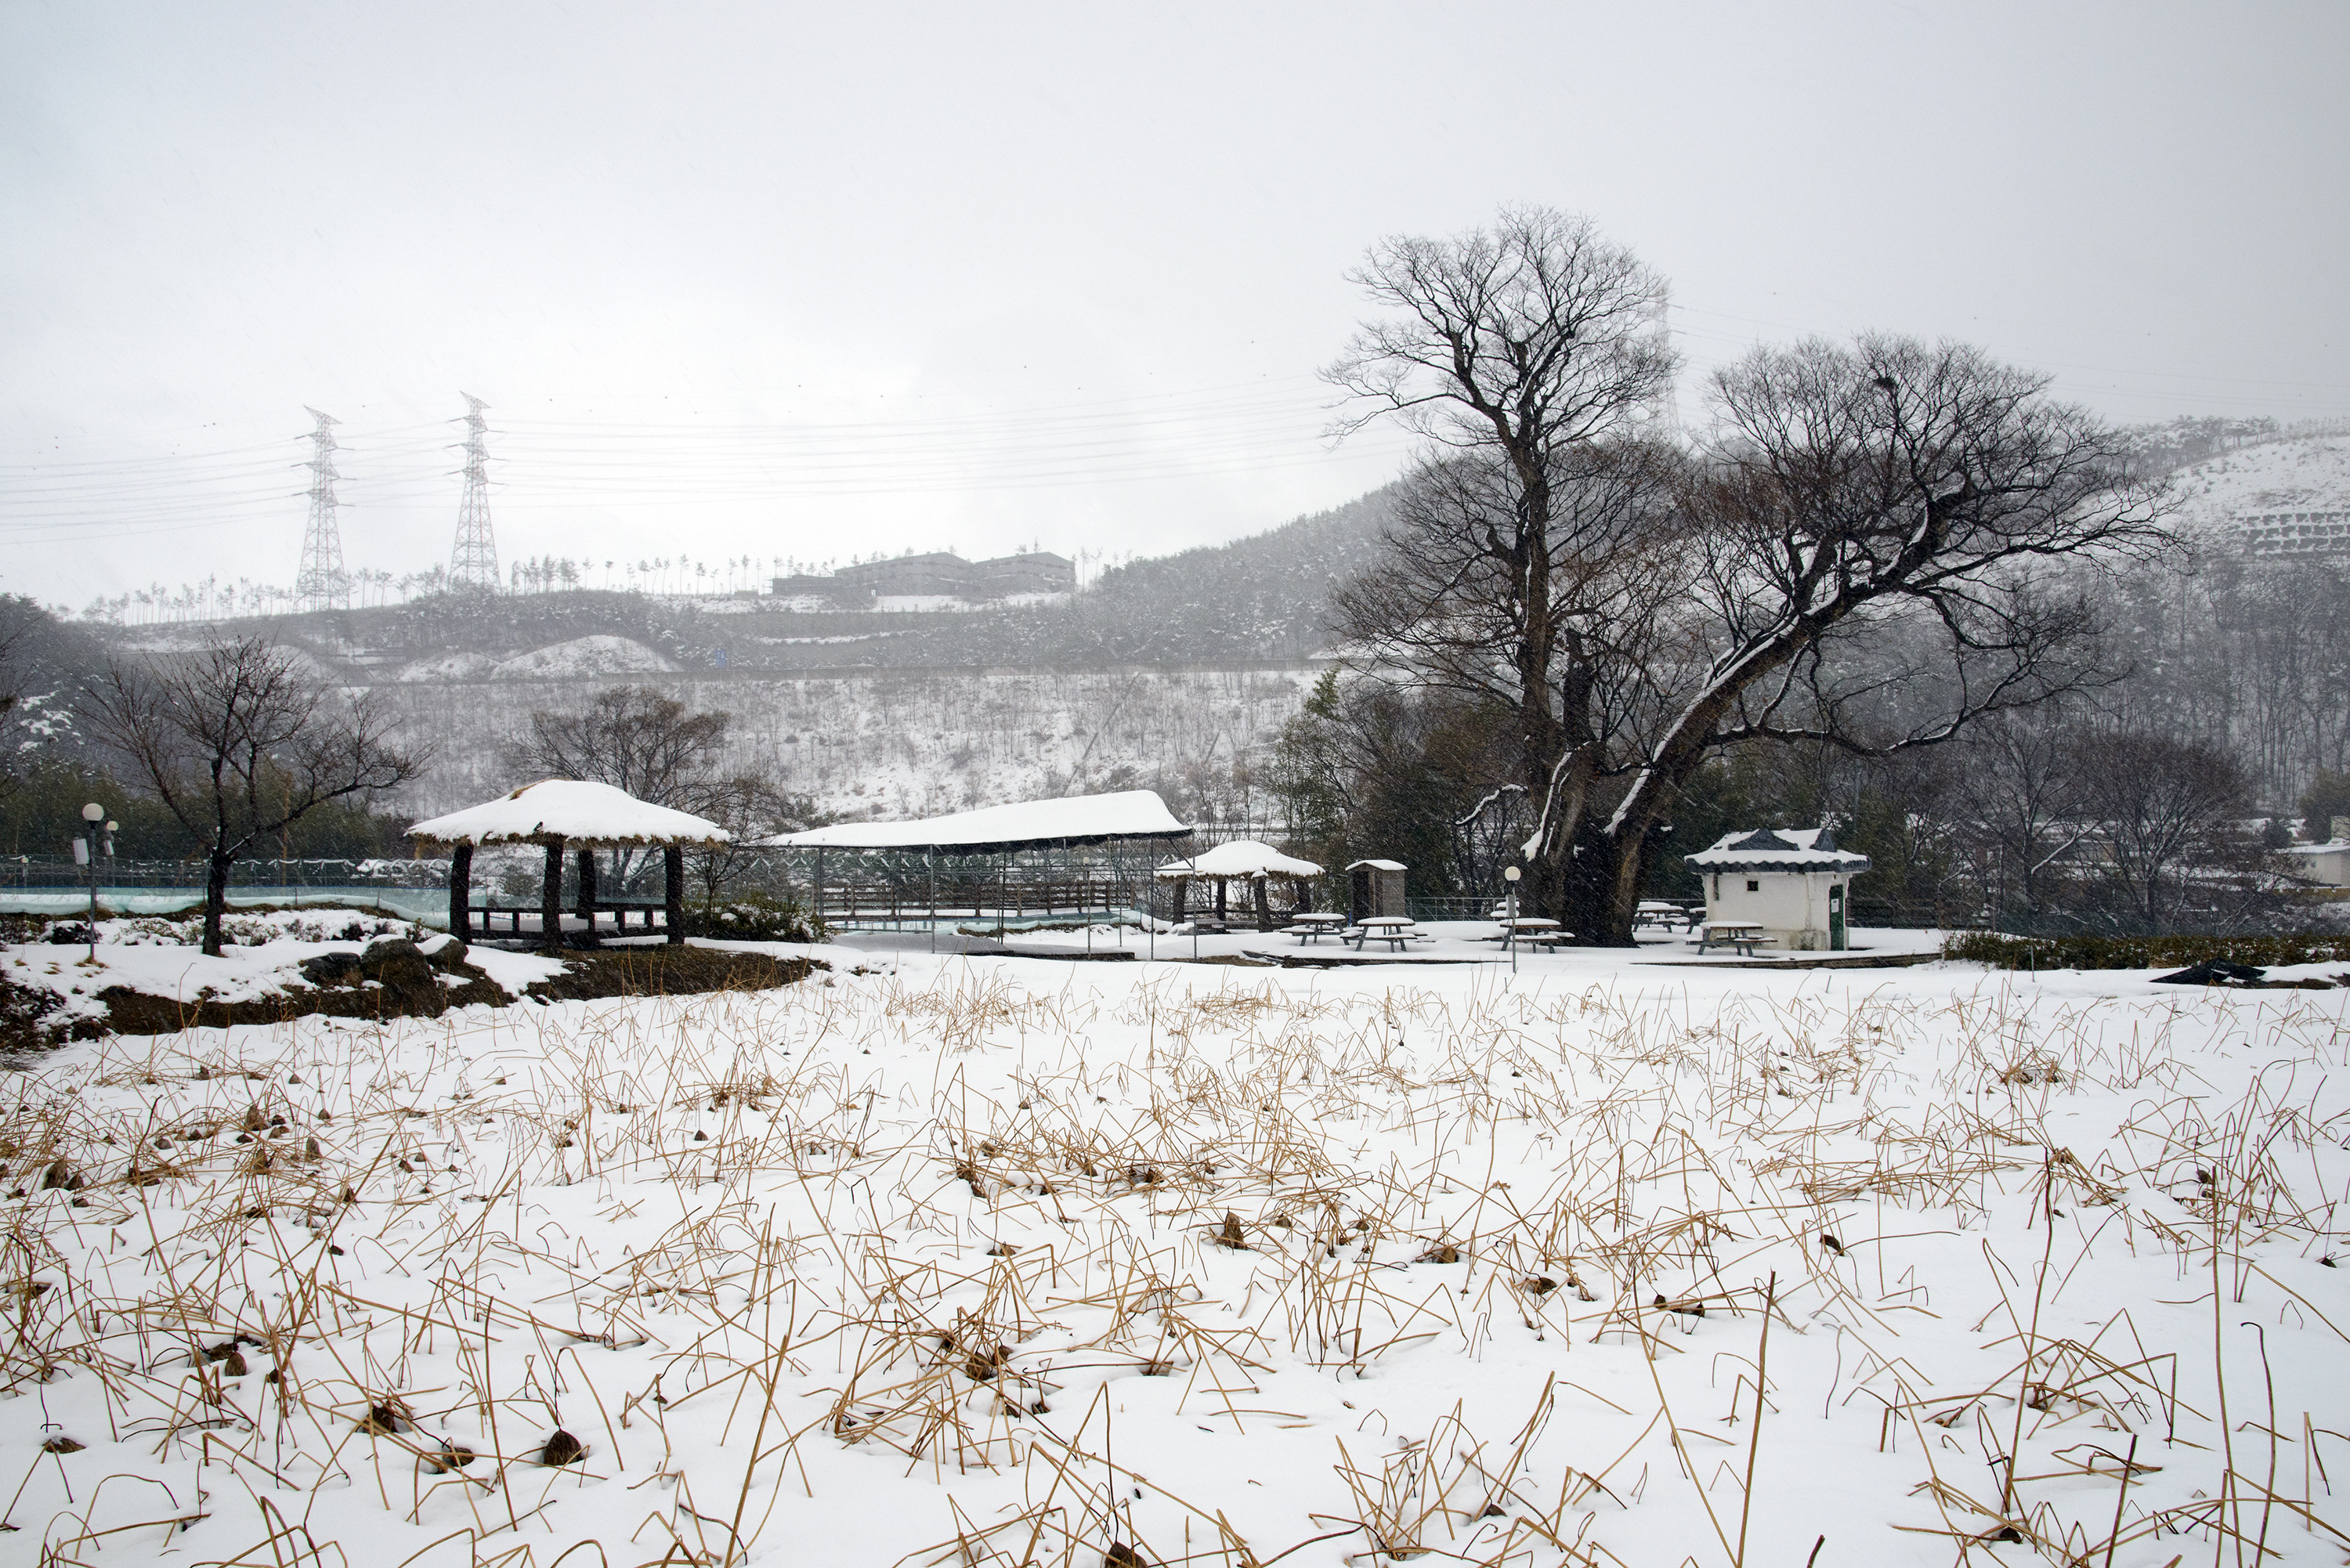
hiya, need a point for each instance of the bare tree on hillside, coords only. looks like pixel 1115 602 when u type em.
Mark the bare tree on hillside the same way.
pixel 2167 810
pixel 240 744
pixel 635 739
pixel 2021 795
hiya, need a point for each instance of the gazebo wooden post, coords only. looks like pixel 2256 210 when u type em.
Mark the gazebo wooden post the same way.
pixel 1264 902
pixel 585 895
pixel 1224 912
pixel 550 899
pixel 1301 896
pixel 460 892
pixel 673 891
pixel 1183 900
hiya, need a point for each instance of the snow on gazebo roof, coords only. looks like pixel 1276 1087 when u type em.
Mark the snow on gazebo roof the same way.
pixel 1023 825
pixel 1241 857
pixel 573 810
pixel 1778 849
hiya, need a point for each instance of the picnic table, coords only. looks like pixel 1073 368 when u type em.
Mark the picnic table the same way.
pixel 1524 928
pixel 1393 930
pixel 1657 912
pixel 1308 926
pixel 1742 936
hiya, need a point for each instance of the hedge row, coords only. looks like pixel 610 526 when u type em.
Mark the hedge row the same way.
pixel 2140 952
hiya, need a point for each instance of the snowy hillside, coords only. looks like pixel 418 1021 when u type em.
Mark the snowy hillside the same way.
pixel 2308 472
pixel 908 745
pixel 582 656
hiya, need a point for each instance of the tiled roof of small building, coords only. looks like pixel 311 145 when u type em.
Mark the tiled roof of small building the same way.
pixel 1778 849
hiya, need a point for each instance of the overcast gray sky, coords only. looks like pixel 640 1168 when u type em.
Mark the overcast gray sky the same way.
pixel 780 281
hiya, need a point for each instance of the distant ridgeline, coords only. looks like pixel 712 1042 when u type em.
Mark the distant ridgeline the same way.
pixel 937 575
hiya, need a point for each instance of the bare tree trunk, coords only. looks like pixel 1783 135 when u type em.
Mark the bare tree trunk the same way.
pixel 460 892
pixel 215 902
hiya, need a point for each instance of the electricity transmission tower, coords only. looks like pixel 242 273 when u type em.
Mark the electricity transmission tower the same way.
pixel 474 562
pixel 322 584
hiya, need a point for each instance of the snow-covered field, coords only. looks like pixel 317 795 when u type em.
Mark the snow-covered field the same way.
pixel 983 1260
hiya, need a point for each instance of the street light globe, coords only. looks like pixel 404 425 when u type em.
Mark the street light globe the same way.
pixel 1510 873
pixel 112 825
pixel 93 812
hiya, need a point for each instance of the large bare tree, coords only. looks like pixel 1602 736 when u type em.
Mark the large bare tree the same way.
pixel 1520 352
pixel 1877 545
pixel 240 743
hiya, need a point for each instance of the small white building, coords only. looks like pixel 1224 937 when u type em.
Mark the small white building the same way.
pixel 1792 882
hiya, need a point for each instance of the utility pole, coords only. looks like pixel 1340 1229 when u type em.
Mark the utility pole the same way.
pixel 474 562
pixel 322 584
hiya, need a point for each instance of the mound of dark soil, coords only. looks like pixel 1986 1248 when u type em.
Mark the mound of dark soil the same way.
pixel 393 978
pixel 667 971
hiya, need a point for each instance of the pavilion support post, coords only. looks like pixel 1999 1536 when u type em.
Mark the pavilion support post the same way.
pixel 930 865
pixel 673 892
pixel 584 895
pixel 1182 899
pixel 1264 902
pixel 460 892
pixel 1301 896
pixel 1223 910
pixel 550 899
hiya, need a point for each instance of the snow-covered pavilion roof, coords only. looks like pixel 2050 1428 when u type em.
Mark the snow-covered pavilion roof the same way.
pixel 1379 865
pixel 572 809
pixel 1778 849
pixel 1023 825
pixel 1241 857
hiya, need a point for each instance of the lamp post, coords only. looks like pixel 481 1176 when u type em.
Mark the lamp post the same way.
pixel 94 815
pixel 1511 874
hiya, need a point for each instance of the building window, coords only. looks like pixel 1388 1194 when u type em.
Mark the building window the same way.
pixel 1752 885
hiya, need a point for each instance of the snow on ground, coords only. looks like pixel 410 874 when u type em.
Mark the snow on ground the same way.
pixel 994 1260
pixel 601 654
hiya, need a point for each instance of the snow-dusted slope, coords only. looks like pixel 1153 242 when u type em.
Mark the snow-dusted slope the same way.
pixel 2310 473
pixel 582 656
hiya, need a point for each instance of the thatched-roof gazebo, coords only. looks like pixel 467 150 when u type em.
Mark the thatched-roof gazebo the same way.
pixel 1243 859
pixel 578 815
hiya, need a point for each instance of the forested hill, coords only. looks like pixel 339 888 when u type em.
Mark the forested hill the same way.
pixel 1255 600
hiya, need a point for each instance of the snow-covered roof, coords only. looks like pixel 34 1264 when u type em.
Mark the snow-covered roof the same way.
pixel 572 809
pixel 2335 847
pixel 1379 865
pixel 1778 849
pixel 1024 825
pixel 1241 857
